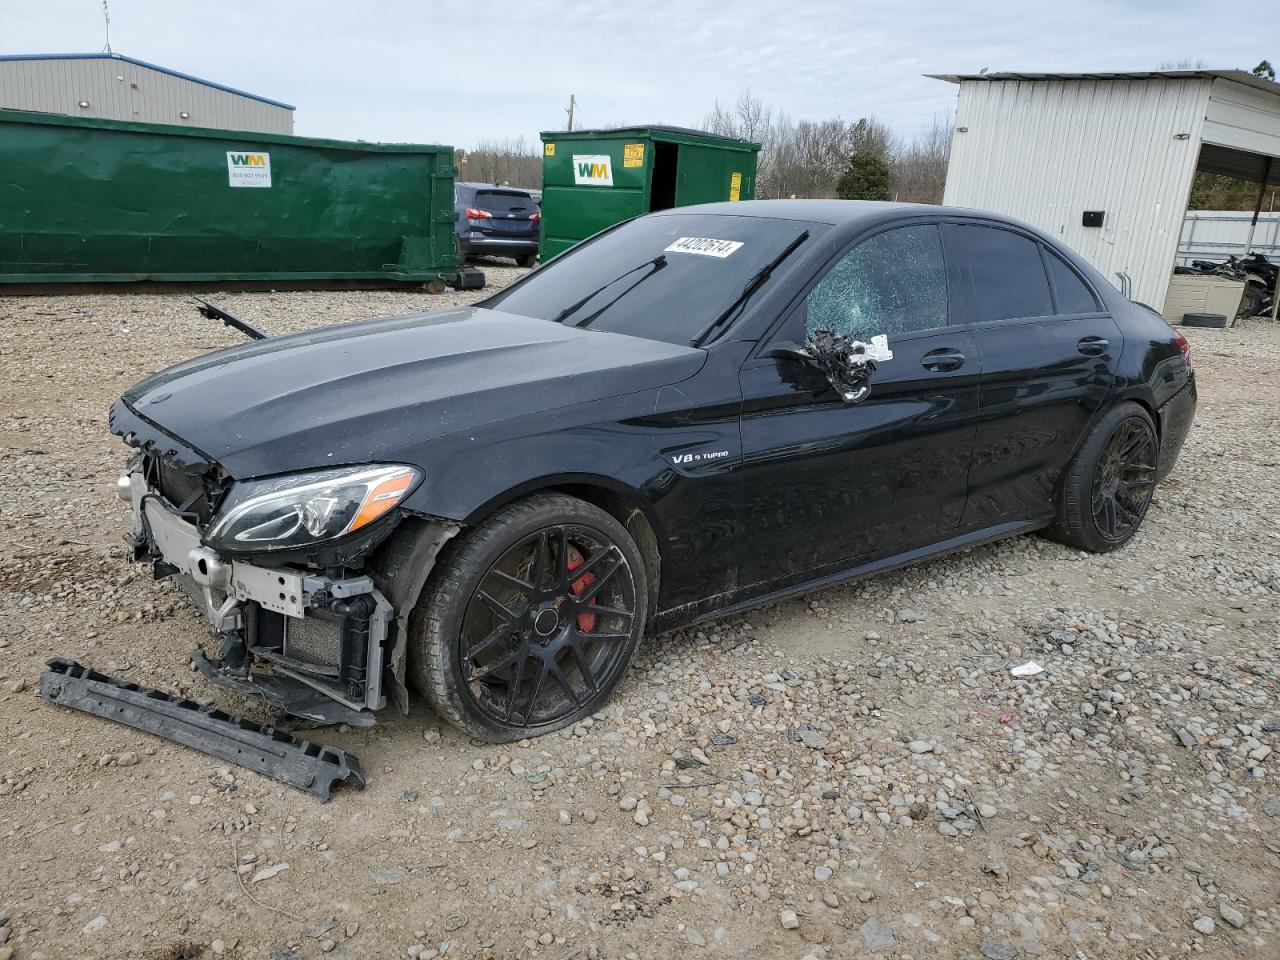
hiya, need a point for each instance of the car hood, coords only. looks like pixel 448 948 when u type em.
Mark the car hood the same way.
pixel 384 389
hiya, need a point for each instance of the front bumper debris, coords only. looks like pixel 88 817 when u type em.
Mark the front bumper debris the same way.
pixel 308 766
pixel 286 695
pixel 317 641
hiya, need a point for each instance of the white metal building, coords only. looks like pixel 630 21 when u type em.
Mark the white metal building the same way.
pixel 114 87
pixel 1105 161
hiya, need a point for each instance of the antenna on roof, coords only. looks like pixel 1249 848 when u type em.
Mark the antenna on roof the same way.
pixel 106 23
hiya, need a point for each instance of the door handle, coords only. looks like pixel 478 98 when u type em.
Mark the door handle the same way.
pixel 1093 346
pixel 943 360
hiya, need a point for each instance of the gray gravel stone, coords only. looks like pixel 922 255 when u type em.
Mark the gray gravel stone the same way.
pixel 994 948
pixel 877 935
pixel 1231 915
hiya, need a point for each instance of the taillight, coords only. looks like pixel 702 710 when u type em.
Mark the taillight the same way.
pixel 535 216
pixel 1185 347
pixel 475 214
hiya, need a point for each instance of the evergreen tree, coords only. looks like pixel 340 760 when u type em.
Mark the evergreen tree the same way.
pixel 866 178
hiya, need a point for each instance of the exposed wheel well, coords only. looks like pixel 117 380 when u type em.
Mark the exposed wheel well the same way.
pixel 631 516
pixel 1151 412
pixel 1140 401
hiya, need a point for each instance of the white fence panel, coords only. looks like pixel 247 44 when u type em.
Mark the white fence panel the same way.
pixel 1216 234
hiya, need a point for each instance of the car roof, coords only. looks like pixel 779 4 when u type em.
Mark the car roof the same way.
pixel 488 186
pixel 834 212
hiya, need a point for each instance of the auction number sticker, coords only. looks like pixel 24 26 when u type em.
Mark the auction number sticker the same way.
pixel 706 246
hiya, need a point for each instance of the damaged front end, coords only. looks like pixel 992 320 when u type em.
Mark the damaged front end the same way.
pixel 282 569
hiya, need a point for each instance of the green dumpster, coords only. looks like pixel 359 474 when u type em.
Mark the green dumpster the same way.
pixel 104 200
pixel 592 179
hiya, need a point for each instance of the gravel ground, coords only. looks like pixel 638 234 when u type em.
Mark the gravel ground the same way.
pixel 854 773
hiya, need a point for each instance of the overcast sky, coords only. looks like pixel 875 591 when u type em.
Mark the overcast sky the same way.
pixel 462 72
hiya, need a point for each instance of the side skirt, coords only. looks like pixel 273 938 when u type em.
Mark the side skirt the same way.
pixel 681 616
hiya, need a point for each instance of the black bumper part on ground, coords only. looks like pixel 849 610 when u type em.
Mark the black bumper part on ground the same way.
pixel 312 767
pixel 286 695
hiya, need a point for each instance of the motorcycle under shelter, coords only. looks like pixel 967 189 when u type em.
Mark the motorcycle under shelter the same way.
pixel 592 179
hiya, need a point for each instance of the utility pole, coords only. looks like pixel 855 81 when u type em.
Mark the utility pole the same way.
pixel 572 104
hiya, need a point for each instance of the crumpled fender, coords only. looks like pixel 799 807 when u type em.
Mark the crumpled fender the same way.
pixel 400 572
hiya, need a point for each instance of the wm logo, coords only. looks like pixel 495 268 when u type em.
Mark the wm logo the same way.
pixel 592 170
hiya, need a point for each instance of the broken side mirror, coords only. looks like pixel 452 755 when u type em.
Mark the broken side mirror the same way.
pixel 848 363
pixel 786 350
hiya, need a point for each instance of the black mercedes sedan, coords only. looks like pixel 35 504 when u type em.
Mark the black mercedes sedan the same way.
pixel 691 413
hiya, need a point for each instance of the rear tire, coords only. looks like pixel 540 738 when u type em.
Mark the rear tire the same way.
pixel 1107 487
pixel 527 261
pixel 531 620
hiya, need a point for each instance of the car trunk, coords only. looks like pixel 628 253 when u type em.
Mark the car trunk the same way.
pixel 512 215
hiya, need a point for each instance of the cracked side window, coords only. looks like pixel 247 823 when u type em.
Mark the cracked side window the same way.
pixel 893 283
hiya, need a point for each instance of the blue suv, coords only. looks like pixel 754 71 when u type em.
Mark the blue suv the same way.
pixel 497 222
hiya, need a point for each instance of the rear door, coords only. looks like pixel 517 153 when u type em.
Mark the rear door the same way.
pixel 512 214
pixel 1048 352
pixel 828 484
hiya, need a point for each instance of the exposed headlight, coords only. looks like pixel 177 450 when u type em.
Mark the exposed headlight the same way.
pixel 301 509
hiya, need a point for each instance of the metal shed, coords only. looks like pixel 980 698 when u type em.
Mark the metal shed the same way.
pixel 1106 160
pixel 109 86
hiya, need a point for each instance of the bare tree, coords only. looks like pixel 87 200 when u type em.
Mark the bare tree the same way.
pixel 919 169
pixel 509 162
pixel 753 118
pixel 869 135
pixel 805 158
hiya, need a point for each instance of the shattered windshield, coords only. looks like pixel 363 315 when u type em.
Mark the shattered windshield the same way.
pixel 664 278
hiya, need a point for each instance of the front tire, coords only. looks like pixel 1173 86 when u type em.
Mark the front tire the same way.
pixel 531 621
pixel 1107 487
pixel 527 261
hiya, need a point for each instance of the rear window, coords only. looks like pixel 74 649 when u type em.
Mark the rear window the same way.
pixel 666 277
pixel 1073 295
pixel 502 201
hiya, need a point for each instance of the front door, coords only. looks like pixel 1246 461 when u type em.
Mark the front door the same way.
pixel 827 484
pixel 1048 353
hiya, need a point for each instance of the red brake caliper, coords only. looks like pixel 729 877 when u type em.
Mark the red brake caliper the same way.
pixel 586 621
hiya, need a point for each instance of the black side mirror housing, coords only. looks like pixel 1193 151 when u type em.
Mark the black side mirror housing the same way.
pixel 786 350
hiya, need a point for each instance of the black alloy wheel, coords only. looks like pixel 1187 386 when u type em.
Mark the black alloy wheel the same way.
pixel 1106 489
pixel 548 626
pixel 1125 479
pixel 531 619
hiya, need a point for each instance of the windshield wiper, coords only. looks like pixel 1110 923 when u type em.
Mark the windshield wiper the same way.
pixel 754 284
pixel 658 261
pixel 207 309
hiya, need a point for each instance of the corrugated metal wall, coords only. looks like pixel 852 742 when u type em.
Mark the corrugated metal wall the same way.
pixel 1046 151
pixel 122 90
pixel 1242 117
